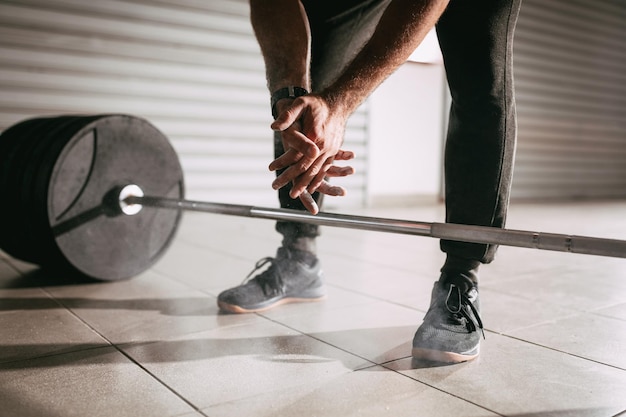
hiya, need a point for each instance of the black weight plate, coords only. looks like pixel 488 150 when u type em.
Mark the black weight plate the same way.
pixel 33 227
pixel 18 208
pixel 52 256
pixel 19 141
pixel 113 151
pixel 10 142
pixel 34 218
pixel 78 173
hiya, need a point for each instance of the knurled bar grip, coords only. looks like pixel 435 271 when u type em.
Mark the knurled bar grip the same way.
pixel 448 231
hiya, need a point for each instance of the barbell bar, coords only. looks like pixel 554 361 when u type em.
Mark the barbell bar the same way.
pixel 132 200
pixel 103 195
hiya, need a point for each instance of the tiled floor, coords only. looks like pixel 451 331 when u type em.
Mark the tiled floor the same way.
pixel 156 345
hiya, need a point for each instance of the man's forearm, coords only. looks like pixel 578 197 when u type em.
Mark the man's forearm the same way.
pixel 402 27
pixel 282 30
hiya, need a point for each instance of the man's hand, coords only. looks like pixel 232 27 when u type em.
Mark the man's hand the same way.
pixel 327 188
pixel 309 119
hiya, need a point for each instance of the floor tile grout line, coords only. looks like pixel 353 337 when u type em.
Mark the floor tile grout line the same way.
pixel 318 339
pixel 505 332
pixel 218 251
pixel 560 306
pixel 562 351
pixel 572 313
pixel 384 266
pixel 182 282
pixel 436 388
pixel 373 297
pixel 53 354
pixel 385 365
pixel 129 357
pixel 596 312
pixel 160 381
pixel 71 350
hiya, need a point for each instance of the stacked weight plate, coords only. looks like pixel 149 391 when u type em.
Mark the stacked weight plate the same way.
pixel 55 173
pixel 15 146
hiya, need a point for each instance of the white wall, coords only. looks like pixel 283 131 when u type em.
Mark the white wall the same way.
pixel 406 130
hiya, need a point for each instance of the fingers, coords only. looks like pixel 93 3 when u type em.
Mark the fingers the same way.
pixel 325 188
pixel 320 184
pixel 290 157
pixel 294 173
pixel 310 178
pixel 295 142
pixel 309 203
pixel 343 155
pixel 332 190
pixel 335 171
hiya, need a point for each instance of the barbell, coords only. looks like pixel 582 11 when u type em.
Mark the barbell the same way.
pixel 103 195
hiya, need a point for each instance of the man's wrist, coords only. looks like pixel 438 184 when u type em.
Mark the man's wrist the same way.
pixel 290 92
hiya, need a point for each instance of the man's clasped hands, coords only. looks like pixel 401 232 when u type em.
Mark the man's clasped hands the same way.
pixel 312 129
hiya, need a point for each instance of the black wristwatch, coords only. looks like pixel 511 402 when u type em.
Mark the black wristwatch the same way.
pixel 286 92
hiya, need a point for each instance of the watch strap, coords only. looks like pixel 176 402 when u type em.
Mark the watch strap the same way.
pixel 285 92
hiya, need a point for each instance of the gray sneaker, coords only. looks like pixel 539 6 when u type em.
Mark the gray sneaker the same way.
pixel 286 280
pixel 449 332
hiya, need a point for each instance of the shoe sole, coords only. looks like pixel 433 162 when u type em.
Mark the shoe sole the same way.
pixel 231 308
pixel 440 356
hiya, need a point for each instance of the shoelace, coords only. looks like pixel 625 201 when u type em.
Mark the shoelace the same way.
pixel 464 304
pixel 270 278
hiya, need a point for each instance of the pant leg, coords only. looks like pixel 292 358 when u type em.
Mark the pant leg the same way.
pixel 339 29
pixel 476 38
